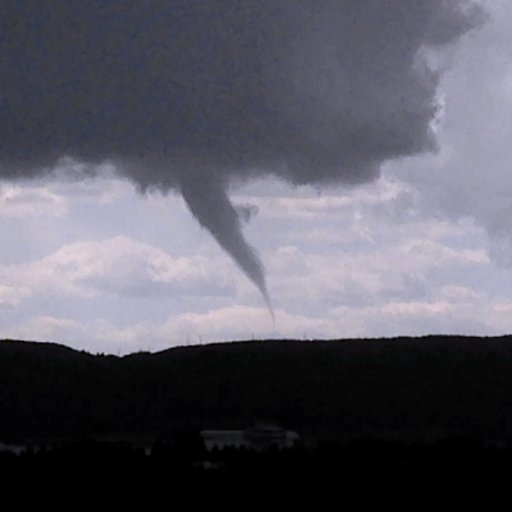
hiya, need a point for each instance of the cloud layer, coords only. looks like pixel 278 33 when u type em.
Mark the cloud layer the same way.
pixel 311 90
pixel 347 263
pixel 191 95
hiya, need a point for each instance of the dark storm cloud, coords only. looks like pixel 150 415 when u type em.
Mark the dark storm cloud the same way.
pixel 191 94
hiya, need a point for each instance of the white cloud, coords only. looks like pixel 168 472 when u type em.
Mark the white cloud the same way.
pixel 306 203
pixel 224 324
pixel 24 200
pixel 47 328
pixel 12 296
pixel 245 322
pixel 460 294
pixel 399 265
pixel 360 274
pixel 119 266
pixel 470 177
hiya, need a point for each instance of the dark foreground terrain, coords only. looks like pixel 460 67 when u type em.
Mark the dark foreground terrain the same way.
pixel 405 388
pixel 366 411
pixel 368 471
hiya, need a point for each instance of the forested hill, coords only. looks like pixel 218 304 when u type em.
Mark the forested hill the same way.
pixel 403 386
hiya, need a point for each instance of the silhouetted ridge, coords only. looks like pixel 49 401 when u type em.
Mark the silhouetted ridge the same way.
pixel 403 386
pixel 37 348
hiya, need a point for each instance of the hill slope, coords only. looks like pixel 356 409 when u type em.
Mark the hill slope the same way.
pixel 401 386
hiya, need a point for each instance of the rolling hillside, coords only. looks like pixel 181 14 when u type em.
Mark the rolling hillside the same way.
pixel 405 387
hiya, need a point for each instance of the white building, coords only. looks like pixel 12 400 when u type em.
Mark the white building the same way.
pixel 259 438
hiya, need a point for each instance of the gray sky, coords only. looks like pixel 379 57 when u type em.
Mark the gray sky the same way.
pixel 423 246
